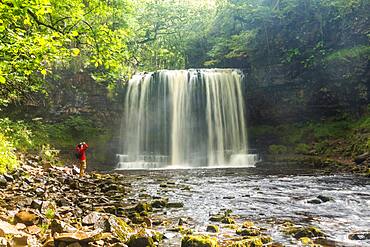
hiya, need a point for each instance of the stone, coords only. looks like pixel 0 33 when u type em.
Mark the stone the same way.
pixel 33 230
pixel 175 205
pixel 20 226
pixel 300 232
pixel 248 232
pixel 3 242
pixel 3 181
pixel 8 177
pixel 143 207
pixel 213 228
pixel 228 220
pixel 359 236
pixel 252 241
pixel 7 229
pixel 314 201
pixel 77 236
pixel 159 203
pixel 324 198
pixel 19 240
pixel 119 228
pixel 361 158
pixel 26 218
pixel 36 204
pixel 39 191
pixel 198 241
pixel 91 219
pixel 58 226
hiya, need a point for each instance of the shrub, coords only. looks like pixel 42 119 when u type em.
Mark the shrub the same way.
pixel 302 148
pixel 278 149
pixel 17 132
pixel 8 159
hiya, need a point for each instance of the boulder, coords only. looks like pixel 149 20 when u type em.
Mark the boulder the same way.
pixel 198 241
pixel 142 238
pixel 359 236
pixel 3 181
pixel 26 218
pixel 8 177
pixel 91 219
pixel 119 228
pixel 175 205
pixel 212 228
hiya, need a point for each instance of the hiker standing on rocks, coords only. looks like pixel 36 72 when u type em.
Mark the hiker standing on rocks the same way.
pixel 81 155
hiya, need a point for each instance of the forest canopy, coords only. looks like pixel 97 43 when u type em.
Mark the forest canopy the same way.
pixel 112 39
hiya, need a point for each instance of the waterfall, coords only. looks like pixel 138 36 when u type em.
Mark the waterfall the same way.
pixel 185 118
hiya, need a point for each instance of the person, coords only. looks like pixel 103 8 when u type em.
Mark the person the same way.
pixel 81 151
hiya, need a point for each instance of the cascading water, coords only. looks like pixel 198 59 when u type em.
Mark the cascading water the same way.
pixel 185 118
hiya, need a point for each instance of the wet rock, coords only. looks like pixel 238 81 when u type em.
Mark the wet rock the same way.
pixel 300 232
pixel 216 218
pixel 198 241
pixel 324 198
pixel 359 236
pixel 143 207
pixel 314 201
pixel 228 220
pixel 3 181
pixel 252 241
pixel 212 228
pixel 248 224
pixel 361 158
pixel 160 203
pixel 248 232
pixel 26 218
pixel 175 205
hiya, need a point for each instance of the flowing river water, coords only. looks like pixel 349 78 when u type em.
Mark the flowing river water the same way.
pixel 268 196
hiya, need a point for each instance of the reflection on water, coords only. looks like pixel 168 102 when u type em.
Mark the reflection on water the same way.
pixel 266 198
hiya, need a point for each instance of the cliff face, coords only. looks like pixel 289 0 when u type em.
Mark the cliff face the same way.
pixel 275 96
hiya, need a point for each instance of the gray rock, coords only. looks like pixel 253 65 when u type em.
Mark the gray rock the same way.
pixel 324 198
pixel 359 236
pixel 3 181
pixel 91 219
pixel 361 158
pixel 36 204
pixel 314 201
pixel 8 177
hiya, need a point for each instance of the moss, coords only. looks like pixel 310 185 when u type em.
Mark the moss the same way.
pixel 300 232
pixel 141 239
pixel 251 242
pixel 198 241
pixel 228 220
pixel 143 207
pixel 248 224
pixel 306 241
pixel 278 149
pixel 302 148
pixel 248 232
pixel 120 229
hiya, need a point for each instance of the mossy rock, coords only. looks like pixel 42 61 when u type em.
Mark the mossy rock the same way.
pixel 248 224
pixel 143 207
pixel 217 218
pixel 248 232
pixel 141 239
pixel 300 232
pixel 306 241
pixel 213 228
pixel 256 241
pixel 159 203
pixel 198 241
pixel 228 220
pixel 119 228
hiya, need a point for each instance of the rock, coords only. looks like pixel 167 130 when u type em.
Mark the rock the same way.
pixel 7 229
pixel 324 198
pixel 314 201
pixel 143 207
pixel 58 226
pixel 26 218
pixel 175 205
pixel 216 218
pixel 212 228
pixel 182 221
pixel 36 204
pixel 77 237
pixel 300 232
pixel 359 236
pixel 248 224
pixel 160 203
pixel 76 244
pixel 198 241
pixel 8 177
pixel 361 158
pixel 3 181
pixel 91 219
pixel 3 242
pixel 252 241
pixel 228 220
pixel 119 228
pixel 142 238
pixel 20 226
pixel 19 240
pixel 33 230
pixel 39 191
pixel 248 232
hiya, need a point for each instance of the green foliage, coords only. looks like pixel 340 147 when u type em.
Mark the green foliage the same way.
pixel 17 132
pixel 49 155
pixel 278 149
pixel 349 53
pixel 50 214
pixel 302 148
pixel 8 158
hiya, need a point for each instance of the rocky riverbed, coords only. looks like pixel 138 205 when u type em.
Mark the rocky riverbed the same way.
pixel 51 206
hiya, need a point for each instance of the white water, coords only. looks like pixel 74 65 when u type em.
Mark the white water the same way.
pixel 185 118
